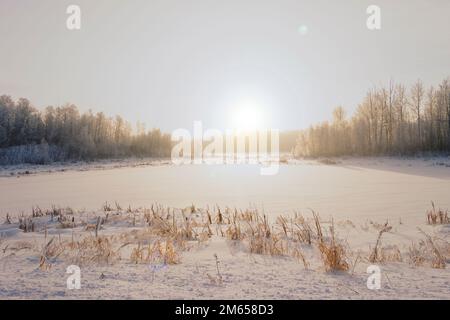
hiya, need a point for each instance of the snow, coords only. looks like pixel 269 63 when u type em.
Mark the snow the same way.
pixel 244 275
pixel 359 194
pixel 355 189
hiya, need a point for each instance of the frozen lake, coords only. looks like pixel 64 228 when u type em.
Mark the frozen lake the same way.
pixel 363 189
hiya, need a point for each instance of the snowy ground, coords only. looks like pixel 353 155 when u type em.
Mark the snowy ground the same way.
pixel 243 275
pixel 31 169
pixel 359 194
pixel 386 162
pixel 355 189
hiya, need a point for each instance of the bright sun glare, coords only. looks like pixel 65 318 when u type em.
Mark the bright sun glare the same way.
pixel 248 116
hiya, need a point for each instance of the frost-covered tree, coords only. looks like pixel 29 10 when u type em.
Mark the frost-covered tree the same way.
pixel 387 121
pixel 62 133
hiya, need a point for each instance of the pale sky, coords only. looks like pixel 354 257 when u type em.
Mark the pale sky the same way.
pixel 170 62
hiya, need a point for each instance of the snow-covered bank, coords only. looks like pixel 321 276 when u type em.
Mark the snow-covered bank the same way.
pixel 30 169
pixel 408 163
pixel 198 259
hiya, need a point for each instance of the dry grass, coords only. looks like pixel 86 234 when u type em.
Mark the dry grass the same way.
pixel 164 252
pixel 160 235
pixel 8 219
pixel 216 280
pixel 66 222
pixel 375 256
pixel 390 254
pixel 98 250
pixel 438 261
pixel 88 250
pixel 303 232
pixel 18 246
pixel 285 238
pixel 37 212
pixel 49 253
pixel 433 252
pixel 26 224
pixel 437 216
pixel 107 207
pixel 255 230
pixel 233 232
pixel 416 254
pixel 298 254
pixel 333 253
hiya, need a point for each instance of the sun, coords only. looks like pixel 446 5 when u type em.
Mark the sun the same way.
pixel 248 116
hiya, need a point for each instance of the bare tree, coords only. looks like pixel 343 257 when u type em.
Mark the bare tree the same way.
pixel 417 93
pixel 388 121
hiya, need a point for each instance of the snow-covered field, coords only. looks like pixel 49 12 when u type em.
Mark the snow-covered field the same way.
pixel 361 195
pixel 356 189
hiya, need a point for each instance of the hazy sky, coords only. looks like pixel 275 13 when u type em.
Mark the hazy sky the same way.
pixel 170 62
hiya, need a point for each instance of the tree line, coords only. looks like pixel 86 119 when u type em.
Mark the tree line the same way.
pixel 391 120
pixel 28 135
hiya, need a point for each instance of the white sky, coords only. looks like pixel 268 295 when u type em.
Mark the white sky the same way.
pixel 170 62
